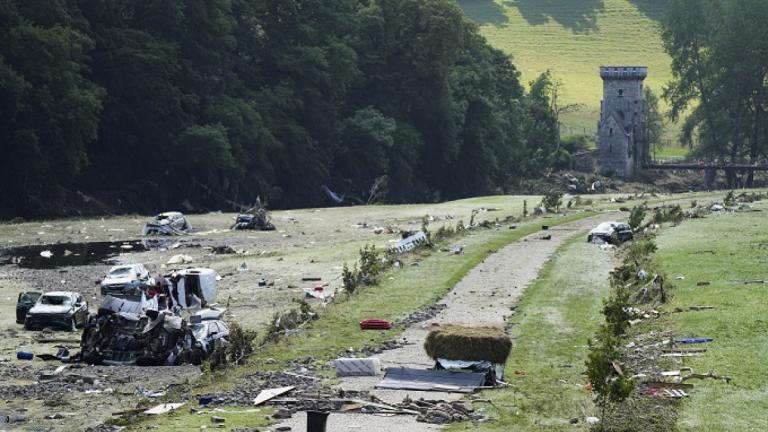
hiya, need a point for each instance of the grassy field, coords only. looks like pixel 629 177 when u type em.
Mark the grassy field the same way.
pixel 556 317
pixel 572 38
pixel 725 250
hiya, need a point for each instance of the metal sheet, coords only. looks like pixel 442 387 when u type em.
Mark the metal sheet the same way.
pixel 431 380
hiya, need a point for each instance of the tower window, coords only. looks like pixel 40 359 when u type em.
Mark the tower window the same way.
pixel 621 92
pixel 610 132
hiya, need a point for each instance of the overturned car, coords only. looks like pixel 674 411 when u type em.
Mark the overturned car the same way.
pixel 168 223
pixel 610 232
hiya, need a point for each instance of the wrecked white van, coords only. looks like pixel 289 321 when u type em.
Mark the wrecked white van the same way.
pixel 193 288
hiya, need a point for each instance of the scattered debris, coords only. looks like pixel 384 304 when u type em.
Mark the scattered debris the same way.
pixel 357 366
pixel 431 380
pixel 223 250
pixel 268 394
pixel 410 242
pixel 375 324
pixel 25 355
pixel 164 408
pixel 694 340
pixel 180 259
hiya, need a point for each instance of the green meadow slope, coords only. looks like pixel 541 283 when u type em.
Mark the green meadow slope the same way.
pixel 572 38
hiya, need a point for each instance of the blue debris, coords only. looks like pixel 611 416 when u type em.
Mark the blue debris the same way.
pixel 695 340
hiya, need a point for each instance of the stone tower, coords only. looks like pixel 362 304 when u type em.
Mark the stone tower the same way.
pixel 622 146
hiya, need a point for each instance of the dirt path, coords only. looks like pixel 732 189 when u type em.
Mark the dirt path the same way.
pixel 485 296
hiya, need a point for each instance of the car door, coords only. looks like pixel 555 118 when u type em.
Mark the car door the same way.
pixel 24 303
pixel 81 311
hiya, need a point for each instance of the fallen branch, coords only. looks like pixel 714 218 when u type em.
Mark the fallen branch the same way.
pixel 712 375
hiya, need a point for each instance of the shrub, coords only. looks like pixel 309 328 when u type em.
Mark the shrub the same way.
pixel 636 217
pixel 240 343
pixel 370 265
pixel 349 278
pixel 552 200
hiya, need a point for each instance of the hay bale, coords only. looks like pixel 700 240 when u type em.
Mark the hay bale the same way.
pixel 454 342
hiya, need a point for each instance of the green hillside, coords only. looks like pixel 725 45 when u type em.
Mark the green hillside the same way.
pixel 573 38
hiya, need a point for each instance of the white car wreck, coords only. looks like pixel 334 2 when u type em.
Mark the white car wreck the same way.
pixel 168 223
pixel 193 288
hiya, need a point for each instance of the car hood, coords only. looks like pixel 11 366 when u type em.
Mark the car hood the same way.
pixel 117 280
pixel 50 309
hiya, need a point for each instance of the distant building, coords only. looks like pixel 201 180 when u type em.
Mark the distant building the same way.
pixel 622 144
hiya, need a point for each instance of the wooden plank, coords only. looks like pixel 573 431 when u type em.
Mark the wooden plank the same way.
pixel 268 394
pixel 666 385
pixel 164 408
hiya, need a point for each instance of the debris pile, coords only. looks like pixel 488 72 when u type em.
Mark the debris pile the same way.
pixel 421 315
pixel 254 218
pixel 295 392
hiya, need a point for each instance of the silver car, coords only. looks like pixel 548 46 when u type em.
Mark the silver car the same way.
pixel 120 276
pixel 60 309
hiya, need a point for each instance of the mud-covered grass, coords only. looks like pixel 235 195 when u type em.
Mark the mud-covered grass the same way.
pixel 554 319
pixel 726 250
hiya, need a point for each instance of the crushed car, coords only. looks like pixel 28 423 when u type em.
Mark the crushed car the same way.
pixel 130 332
pixel 610 232
pixel 119 277
pixel 207 337
pixel 24 303
pixel 57 309
pixel 255 218
pixel 135 332
pixel 168 223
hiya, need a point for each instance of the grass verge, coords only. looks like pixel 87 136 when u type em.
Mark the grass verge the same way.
pixel 724 250
pixel 556 316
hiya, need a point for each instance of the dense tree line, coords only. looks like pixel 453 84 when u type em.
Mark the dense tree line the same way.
pixel 148 103
pixel 720 67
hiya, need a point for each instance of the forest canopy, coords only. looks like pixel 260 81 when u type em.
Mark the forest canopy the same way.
pixel 146 104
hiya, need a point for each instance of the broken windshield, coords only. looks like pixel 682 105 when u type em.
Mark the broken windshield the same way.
pixel 55 300
pixel 122 271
